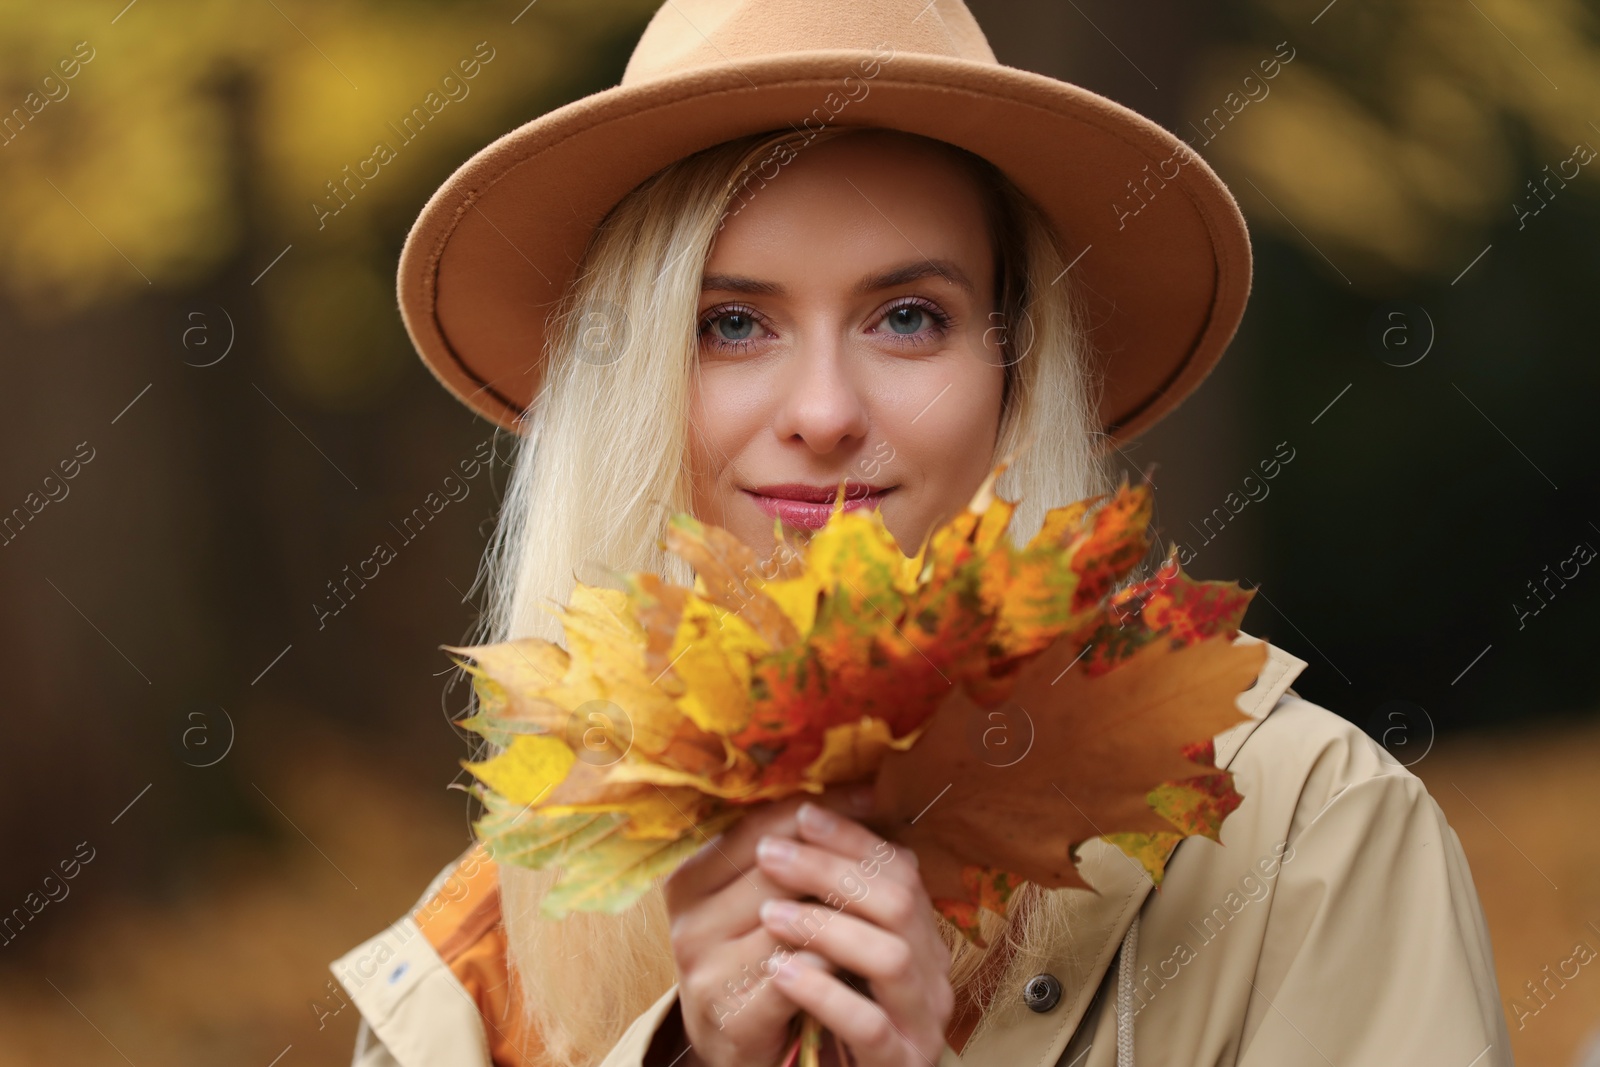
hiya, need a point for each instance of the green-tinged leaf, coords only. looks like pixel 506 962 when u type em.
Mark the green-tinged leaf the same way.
pixel 1150 851
pixel 497 732
pixel 615 871
pixel 542 840
pixel 1197 805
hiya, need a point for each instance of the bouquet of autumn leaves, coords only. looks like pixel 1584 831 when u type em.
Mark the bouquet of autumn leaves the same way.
pixel 1008 703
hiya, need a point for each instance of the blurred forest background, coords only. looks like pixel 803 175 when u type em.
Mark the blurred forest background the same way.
pixel 226 379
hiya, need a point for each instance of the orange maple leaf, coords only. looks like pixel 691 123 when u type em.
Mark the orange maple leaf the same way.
pixel 1097 746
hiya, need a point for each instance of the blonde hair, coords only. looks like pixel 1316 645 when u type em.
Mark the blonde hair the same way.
pixel 602 464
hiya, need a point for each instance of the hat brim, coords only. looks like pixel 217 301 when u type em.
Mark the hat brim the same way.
pixel 1166 273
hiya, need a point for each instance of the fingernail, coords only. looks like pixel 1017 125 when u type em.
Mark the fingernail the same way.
pixel 808 959
pixel 779 912
pixel 817 820
pixel 776 849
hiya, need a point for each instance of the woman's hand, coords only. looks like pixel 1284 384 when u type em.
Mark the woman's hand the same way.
pixel 876 921
pixel 750 953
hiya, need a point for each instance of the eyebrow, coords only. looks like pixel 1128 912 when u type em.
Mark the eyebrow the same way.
pixel 888 279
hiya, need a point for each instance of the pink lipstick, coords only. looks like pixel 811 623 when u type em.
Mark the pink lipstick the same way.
pixel 809 506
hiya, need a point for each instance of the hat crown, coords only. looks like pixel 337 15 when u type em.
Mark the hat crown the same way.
pixel 689 34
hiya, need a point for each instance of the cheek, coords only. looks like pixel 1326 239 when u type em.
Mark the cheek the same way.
pixel 962 437
pixel 703 444
pixel 949 441
pixel 958 429
pixel 724 413
pixel 701 428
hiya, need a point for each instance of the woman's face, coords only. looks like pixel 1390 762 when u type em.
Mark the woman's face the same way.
pixel 846 333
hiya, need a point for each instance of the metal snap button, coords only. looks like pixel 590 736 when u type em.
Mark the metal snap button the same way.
pixel 1042 993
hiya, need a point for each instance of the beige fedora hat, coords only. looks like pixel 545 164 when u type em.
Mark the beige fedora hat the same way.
pixel 1155 242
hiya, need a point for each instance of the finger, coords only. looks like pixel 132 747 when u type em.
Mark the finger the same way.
pixel 725 857
pixel 734 992
pixel 852 802
pixel 819 825
pixel 693 875
pixel 844 883
pixel 862 1024
pixel 730 855
pixel 732 910
pixel 902 979
pixel 724 915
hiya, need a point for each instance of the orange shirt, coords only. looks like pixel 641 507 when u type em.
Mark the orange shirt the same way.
pixel 462 923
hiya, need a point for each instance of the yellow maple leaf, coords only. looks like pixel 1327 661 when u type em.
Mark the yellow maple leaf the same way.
pixel 528 770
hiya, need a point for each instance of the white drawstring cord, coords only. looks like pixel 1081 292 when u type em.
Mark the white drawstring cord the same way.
pixel 1125 963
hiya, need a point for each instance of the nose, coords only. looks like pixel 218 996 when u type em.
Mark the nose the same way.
pixel 820 401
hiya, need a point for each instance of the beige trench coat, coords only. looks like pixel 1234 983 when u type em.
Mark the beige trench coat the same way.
pixel 1336 924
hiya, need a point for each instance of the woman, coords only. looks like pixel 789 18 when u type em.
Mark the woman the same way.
pixel 763 315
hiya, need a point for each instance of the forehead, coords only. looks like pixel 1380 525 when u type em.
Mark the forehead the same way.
pixel 858 202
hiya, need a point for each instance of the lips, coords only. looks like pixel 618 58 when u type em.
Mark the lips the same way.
pixel 809 506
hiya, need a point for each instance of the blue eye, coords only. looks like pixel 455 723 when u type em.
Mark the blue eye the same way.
pixel 741 326
pixel 729 329
pixel 907 318
pixel 916 322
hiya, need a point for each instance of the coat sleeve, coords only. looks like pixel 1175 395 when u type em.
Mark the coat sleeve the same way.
pixel 1376 949
pixel 656 1039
